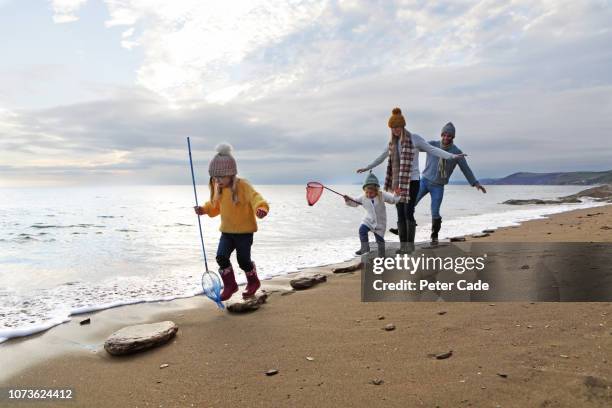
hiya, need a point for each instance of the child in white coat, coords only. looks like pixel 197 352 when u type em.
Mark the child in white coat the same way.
pixel 375 219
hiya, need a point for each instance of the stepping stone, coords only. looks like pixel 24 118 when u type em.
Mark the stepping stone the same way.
pixel 248 305
pixel 132 339
pixel 307 282
pixel 350 268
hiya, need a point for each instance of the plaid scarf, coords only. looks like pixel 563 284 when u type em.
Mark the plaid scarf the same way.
pixel 405 163
pixel 442 162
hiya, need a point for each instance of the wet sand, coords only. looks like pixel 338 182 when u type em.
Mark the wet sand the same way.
pixel 504 354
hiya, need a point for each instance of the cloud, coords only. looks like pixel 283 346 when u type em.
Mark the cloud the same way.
pixel 65 11
pixel 304 91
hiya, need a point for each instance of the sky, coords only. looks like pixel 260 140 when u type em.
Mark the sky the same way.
pixel 102 92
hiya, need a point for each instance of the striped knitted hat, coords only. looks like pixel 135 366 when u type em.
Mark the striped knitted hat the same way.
pixel 223 164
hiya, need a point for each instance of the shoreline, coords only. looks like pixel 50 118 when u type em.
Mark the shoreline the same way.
pixel 328 309
pixel 542 213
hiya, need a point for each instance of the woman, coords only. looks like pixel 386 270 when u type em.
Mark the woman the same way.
pixel 403 173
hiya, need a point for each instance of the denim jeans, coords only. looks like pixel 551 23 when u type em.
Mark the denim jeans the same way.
pixel 437 193
pixel 242 244
pixel 363 234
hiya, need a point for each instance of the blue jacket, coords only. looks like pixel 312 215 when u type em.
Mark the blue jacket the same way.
pixel 431 166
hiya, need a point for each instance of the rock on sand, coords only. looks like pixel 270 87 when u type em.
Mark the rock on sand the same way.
pixel 132 339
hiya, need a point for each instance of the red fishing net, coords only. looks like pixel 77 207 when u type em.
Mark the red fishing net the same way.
pixel 313 192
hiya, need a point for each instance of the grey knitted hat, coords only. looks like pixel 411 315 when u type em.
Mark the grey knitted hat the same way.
pixel 371 180
pixel 449 128
pixel 223 164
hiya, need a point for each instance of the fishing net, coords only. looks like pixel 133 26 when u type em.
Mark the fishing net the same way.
pixel 211 285
pixel 313 192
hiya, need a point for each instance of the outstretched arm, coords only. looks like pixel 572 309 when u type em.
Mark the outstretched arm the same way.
pixel 376 161
pixel 423 146
pixel 352 202
pixel 469 176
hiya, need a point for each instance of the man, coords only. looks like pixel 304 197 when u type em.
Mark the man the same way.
pixel 436 174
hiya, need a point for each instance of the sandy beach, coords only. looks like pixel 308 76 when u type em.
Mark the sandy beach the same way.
pixel 503 354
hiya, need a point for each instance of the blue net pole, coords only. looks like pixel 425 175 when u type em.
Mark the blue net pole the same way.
pixel 195 193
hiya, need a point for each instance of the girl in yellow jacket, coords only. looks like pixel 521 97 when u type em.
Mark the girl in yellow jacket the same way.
pixel 238 203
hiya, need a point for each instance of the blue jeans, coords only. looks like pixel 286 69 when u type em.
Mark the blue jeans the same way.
pixel 242 244
pixel 437 193
pixel 363 234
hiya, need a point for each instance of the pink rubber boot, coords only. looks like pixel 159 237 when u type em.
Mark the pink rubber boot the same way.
pixel 229 283
pixel 252 283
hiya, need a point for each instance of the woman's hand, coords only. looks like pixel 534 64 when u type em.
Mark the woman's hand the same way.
pixel 481 188
pixel 361 170
pixel 199 210
pixel 460 156
pixel 261 212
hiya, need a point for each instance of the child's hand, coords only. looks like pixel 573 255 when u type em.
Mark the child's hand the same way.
pixel 199 210
pixel 260 213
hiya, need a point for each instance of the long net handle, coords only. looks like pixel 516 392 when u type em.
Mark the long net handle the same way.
pixel 195 193
pixel 334 191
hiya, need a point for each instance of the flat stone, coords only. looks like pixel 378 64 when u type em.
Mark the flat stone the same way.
pixel 86 321
pixel 488 231
pixel 248 305
pixel 443 356
pixel 457 239
pixel 271 372
pixel 480 235
pixel 132 339
pixel 350 268
pixel 307 282
pixel 389 327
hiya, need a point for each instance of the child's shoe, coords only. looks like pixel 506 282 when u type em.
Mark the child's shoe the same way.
pixel 365 248
pixel 229 283
pixel 252 283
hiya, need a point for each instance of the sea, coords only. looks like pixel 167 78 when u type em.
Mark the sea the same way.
pixel 72 250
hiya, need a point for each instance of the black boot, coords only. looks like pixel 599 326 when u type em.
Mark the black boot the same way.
pixel 436 224
pixel 393 231
pixel 411 233
pixel 403 236
pixel 381 249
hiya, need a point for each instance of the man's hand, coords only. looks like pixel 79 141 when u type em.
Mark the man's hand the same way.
pixel 199 210
pixel 260 213
pixel 481 188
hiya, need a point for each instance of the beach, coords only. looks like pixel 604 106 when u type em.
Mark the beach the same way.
pixel 330 349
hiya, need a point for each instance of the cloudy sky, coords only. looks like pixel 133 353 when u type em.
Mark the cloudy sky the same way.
pixel 106 91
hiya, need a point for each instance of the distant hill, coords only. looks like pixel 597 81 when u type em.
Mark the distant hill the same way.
pixel 579 178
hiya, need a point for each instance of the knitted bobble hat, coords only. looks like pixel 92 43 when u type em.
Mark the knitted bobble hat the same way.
pixel 397 119
pixel 370 180
pixel 223 164
pixel 449 128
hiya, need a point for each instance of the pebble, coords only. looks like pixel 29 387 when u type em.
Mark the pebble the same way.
pixel 310 358
pixel 503 375
pixel 271 372
pixel 443 312
pixel 377 381
pixel 164 365
pixel 86 321
pixel 390 327
pixel 381 317
pixel 525 267
pixel 443 356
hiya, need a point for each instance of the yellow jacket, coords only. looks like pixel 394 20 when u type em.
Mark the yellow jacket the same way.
pixel 237 218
